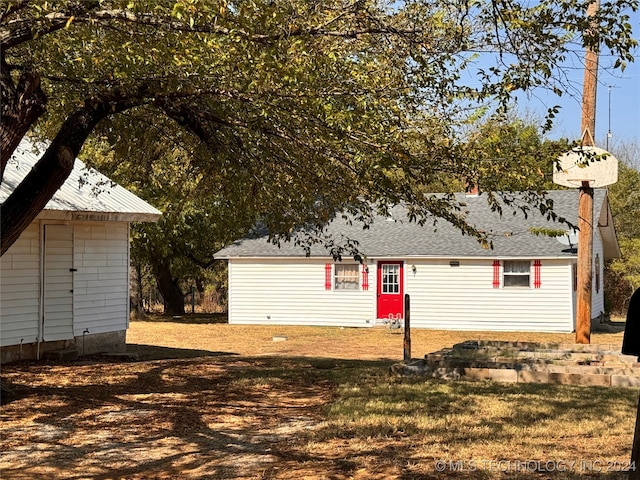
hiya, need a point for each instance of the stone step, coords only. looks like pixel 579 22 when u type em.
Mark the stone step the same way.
pixel 537 347
pixel 510 375
pixel 527 362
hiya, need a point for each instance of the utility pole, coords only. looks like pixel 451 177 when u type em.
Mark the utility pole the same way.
pixel 589 86
pixel 585 205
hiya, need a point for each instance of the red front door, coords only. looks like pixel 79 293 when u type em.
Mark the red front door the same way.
pixel 390 290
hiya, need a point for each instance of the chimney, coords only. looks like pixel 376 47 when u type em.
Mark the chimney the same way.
pixel 472 188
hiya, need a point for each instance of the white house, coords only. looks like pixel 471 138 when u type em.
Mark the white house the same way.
pixel 527 282
pixel 64 284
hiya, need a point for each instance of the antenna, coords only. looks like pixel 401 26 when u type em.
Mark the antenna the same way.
pixel 609 134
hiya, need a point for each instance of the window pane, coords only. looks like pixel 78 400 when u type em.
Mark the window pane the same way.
pixel 516 266
pixel 516 280
pixel 516 273
pixel 347 277
pixel 390 278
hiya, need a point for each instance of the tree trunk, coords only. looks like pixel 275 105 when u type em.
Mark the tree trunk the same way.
pixel 47 176
pixel 200 286
pixel 21 105
pixel 30 197
pixel 136 304
pixel 168 287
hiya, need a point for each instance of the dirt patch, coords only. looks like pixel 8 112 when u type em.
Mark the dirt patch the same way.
pixel 208 400
pixel 208 417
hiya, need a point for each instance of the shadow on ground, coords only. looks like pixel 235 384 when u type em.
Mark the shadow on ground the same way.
pixel 202 414
pixel 194 318
pixel 608 327
pixel 153 352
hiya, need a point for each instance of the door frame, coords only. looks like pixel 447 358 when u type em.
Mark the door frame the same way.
pixel 401 287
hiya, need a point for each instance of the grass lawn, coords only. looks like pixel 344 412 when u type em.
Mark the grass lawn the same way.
pixel 211 400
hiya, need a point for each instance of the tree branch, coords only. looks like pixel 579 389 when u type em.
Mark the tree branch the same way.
pixel 13 8
pixel 20 106
pixel 20 31
pixel 47 176
pixel 16 32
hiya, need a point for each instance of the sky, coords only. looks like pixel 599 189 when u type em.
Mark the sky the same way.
pixel 617 105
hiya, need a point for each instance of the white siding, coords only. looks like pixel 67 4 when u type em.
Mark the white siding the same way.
pixel 101 282
pixel 292 292
pixel 597 295
pixel 463 298
pixel 100 298
pixel 20 289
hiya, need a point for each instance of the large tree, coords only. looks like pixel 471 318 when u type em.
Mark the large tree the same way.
pixel 201 214
pixel 622 277
pixel 305 104
pixel 506 153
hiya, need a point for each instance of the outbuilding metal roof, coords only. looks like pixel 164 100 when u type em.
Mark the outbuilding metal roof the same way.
pixel 85 195
pixel 397 237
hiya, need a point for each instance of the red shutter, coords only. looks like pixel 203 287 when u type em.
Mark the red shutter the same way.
pixel 365 277
pixel 496 274
pixel 327 276
pixel 537 282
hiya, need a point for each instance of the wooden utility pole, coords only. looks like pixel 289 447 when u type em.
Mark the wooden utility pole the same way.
pixel 585 252
pixel 585 206
pixel 589 88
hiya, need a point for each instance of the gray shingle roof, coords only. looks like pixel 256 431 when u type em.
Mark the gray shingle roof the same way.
pixel 396 237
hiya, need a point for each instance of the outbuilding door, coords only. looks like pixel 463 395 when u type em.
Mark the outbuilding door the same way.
pixel 58 283
pixel 390 290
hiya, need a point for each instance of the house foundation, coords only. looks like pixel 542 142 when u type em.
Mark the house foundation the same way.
pixel 87 344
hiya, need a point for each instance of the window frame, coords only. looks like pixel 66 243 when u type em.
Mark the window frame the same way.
pixel 513 275
pixel 390 278
pixel 343 274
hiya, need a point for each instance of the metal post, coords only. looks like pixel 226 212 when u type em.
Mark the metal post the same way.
pixel 407 329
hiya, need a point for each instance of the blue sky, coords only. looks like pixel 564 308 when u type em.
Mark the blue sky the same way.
pixel 623 103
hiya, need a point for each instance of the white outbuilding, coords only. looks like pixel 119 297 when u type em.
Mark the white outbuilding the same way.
pixel 64 284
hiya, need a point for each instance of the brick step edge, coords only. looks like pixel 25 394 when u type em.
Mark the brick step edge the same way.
pixel 508 375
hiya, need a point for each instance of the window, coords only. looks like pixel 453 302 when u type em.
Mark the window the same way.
pixel 346 277
pixel 597 273
pixel 516 273
pixel 390 278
